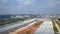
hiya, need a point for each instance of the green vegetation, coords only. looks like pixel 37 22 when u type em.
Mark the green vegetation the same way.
pixel 58 18
pixel 3 22
pixel 55 27
pixel 36 24
pixel 58 22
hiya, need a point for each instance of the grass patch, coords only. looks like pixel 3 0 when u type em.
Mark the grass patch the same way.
pixel 3 22
pixel 58 18
pixel 55 27
pixel 36 24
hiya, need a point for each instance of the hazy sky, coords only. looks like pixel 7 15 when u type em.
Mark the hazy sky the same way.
pixel 29 6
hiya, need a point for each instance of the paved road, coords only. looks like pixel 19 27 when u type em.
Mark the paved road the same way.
pixel 9 28
pixel 45 28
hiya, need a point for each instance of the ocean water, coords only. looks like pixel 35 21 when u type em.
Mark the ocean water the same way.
pixel 4 18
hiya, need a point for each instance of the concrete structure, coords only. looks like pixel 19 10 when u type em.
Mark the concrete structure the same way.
pixel 45 28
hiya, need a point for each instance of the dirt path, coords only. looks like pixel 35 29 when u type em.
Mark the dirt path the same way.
pixel 27 30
